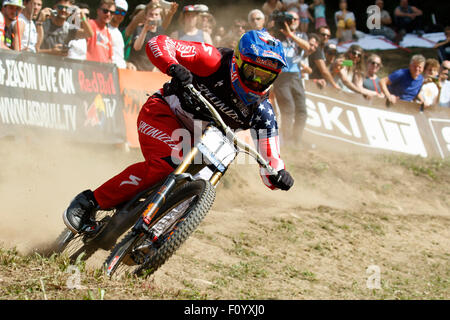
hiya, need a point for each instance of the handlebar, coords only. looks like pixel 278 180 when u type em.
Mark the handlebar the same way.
pixel 228 132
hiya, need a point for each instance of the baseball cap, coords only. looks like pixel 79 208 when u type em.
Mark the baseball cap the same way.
pixel 122 4
pixel 17 3
pixel 201 8
pixel 189 8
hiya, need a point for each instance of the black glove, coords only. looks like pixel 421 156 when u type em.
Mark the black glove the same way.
pixel 283 180
pixel 181 74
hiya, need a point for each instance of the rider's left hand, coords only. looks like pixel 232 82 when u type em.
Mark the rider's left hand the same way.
pixel 283 180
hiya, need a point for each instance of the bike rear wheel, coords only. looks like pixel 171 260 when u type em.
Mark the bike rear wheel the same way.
pixel 139 255
pixel 74 245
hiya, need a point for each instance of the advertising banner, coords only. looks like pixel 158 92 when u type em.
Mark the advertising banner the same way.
pixel 350 118
pixel 136 87
pixel 77 99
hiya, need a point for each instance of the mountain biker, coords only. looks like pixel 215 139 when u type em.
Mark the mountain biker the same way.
pixel 236 82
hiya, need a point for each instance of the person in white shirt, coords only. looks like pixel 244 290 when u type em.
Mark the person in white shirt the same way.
pixel 116 35
pixel 429 93
pixel 25 29
pixel 444 97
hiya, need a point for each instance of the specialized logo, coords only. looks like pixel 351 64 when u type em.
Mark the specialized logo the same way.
pixel 133 181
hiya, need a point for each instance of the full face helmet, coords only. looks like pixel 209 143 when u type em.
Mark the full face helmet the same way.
pixel 257 61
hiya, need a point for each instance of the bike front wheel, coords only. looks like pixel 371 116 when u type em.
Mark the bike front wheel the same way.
pixel 183 211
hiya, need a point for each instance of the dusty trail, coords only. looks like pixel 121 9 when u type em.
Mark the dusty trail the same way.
pixel 346 211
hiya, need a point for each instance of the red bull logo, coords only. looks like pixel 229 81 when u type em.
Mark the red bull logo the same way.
pixel 95 113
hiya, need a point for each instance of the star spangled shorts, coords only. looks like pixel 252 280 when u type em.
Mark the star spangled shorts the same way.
pixel 155 124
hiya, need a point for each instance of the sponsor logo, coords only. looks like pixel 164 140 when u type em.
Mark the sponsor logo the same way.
pixel 366 126
pixel 266 62
pixel 133 180
pixel 157 134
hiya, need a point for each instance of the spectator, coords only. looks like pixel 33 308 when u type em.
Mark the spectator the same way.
pixel 444 46
pixel 189 31
pixel 24 29
pixel 99 46
pixel 319 13
pixel 207 23
pixel 330 51
pixel 314 41
pixel 116 36
pixel 151 28
pixel 270 6
pixel 218 35
pixel 371 80
pixel 136 19
pixel 2 32
pixel 231 39
pixel 385 29
pixel 429 93
pixel 408 18
pixel 444 97
pixel 288 87
pixel 335 71
pixel 305 16
pixel 55 33
pixel 256 19
pixel 78 47
pixel 404 84
pixel 351 73
pixel 345 21
pixel 10 12
pixel 317 60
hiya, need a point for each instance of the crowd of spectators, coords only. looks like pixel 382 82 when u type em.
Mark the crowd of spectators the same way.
pixel 70 29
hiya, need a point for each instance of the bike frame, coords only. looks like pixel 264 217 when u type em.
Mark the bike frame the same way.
pixel 180 173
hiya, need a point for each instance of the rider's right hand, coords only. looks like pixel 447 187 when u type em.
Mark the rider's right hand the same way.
pixel 180 73
pixel 283 180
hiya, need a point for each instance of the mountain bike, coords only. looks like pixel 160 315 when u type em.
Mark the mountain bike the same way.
pixel 159 220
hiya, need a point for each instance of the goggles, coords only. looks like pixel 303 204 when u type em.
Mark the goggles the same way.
pixel 257 78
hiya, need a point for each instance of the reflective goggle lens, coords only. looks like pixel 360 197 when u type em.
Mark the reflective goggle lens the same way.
pixel 256 74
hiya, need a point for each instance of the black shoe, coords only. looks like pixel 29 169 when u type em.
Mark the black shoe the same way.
pixel 80 211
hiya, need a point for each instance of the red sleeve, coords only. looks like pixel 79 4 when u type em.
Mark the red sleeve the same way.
pixel 200 58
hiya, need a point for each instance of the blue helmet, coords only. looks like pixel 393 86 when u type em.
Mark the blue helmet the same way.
pixel 257 61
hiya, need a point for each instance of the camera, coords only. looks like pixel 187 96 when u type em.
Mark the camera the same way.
pixel 279 18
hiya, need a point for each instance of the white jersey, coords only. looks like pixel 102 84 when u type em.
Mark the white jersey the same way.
pixel 29 35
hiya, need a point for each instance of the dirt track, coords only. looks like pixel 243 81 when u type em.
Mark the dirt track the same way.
pixel 346 212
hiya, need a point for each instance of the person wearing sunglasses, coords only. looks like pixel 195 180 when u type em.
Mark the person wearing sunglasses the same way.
pixel 116 35
pixel 371 80
pixel 317 61
pixel 55 32
pixel 237 82
pixel 100 46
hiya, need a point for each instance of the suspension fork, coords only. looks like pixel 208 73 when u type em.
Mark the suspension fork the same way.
pixel 160 196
